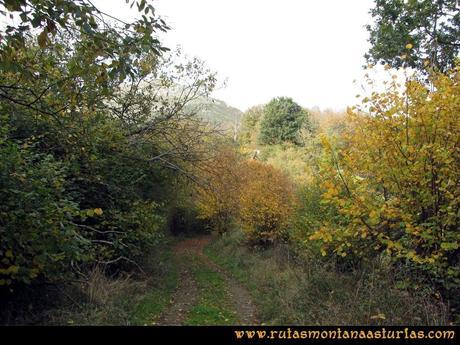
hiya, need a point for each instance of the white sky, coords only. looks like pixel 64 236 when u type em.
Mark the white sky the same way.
pixel 310 50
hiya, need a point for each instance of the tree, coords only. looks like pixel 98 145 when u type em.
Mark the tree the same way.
pixel 395 180
pixel 250 125
pixel 92 138
pixel 217 198
pixel 282 122
pixel 416 34
pixel 114 47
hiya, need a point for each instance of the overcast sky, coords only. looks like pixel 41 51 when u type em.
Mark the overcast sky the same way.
pixel 310 50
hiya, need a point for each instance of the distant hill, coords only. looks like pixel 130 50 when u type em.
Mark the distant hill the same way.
pixel 212 110
pixel 219 113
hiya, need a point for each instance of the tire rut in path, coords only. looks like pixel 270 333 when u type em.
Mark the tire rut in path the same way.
pixel 187 292
pixel 185 296
pixel 244 306
pixel 182 300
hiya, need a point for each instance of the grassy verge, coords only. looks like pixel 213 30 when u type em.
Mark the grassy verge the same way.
pixel 157 297
pixel 101 299
pixel 214 306
pixel 313 292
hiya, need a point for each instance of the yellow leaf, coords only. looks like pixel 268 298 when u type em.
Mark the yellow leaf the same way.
pixel 43 39
pixel 33 273
pixel 409 46
pixel 13 269
pixel 378 316
pixel 98 211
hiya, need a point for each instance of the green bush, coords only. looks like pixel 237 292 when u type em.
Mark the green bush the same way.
pixel 36 233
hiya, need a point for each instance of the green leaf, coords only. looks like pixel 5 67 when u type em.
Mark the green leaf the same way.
pixel 449 245
pixel 13 5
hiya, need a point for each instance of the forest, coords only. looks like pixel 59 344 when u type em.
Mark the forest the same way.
pixel 129 195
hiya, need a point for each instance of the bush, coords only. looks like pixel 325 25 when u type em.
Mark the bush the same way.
pixel 141 228
pixel 37 237
pixel 266 203
pixel 395 182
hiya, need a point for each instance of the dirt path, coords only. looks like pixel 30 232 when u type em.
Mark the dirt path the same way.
pixel 187 292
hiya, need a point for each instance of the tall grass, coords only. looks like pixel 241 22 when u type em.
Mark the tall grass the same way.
pixel 99 298
pixel 289 289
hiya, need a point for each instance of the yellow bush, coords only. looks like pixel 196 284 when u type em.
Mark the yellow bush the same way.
pixel 266 202
pixel 395 181
pixel 217 196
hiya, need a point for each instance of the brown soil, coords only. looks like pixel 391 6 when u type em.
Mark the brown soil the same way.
pixel 187 292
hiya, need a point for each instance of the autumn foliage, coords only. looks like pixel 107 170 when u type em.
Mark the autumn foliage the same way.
pixel 217 195
pixel 395 181
pixel 253 194
pixel 266 203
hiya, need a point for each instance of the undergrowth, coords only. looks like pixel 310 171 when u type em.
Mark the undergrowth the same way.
pixel 311 291
pixel 99 298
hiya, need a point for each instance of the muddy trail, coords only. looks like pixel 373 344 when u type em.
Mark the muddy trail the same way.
pixel 187 293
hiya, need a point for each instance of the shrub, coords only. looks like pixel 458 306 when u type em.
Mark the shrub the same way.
pixel 36 235
pixel 266 203
pixel 395 182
